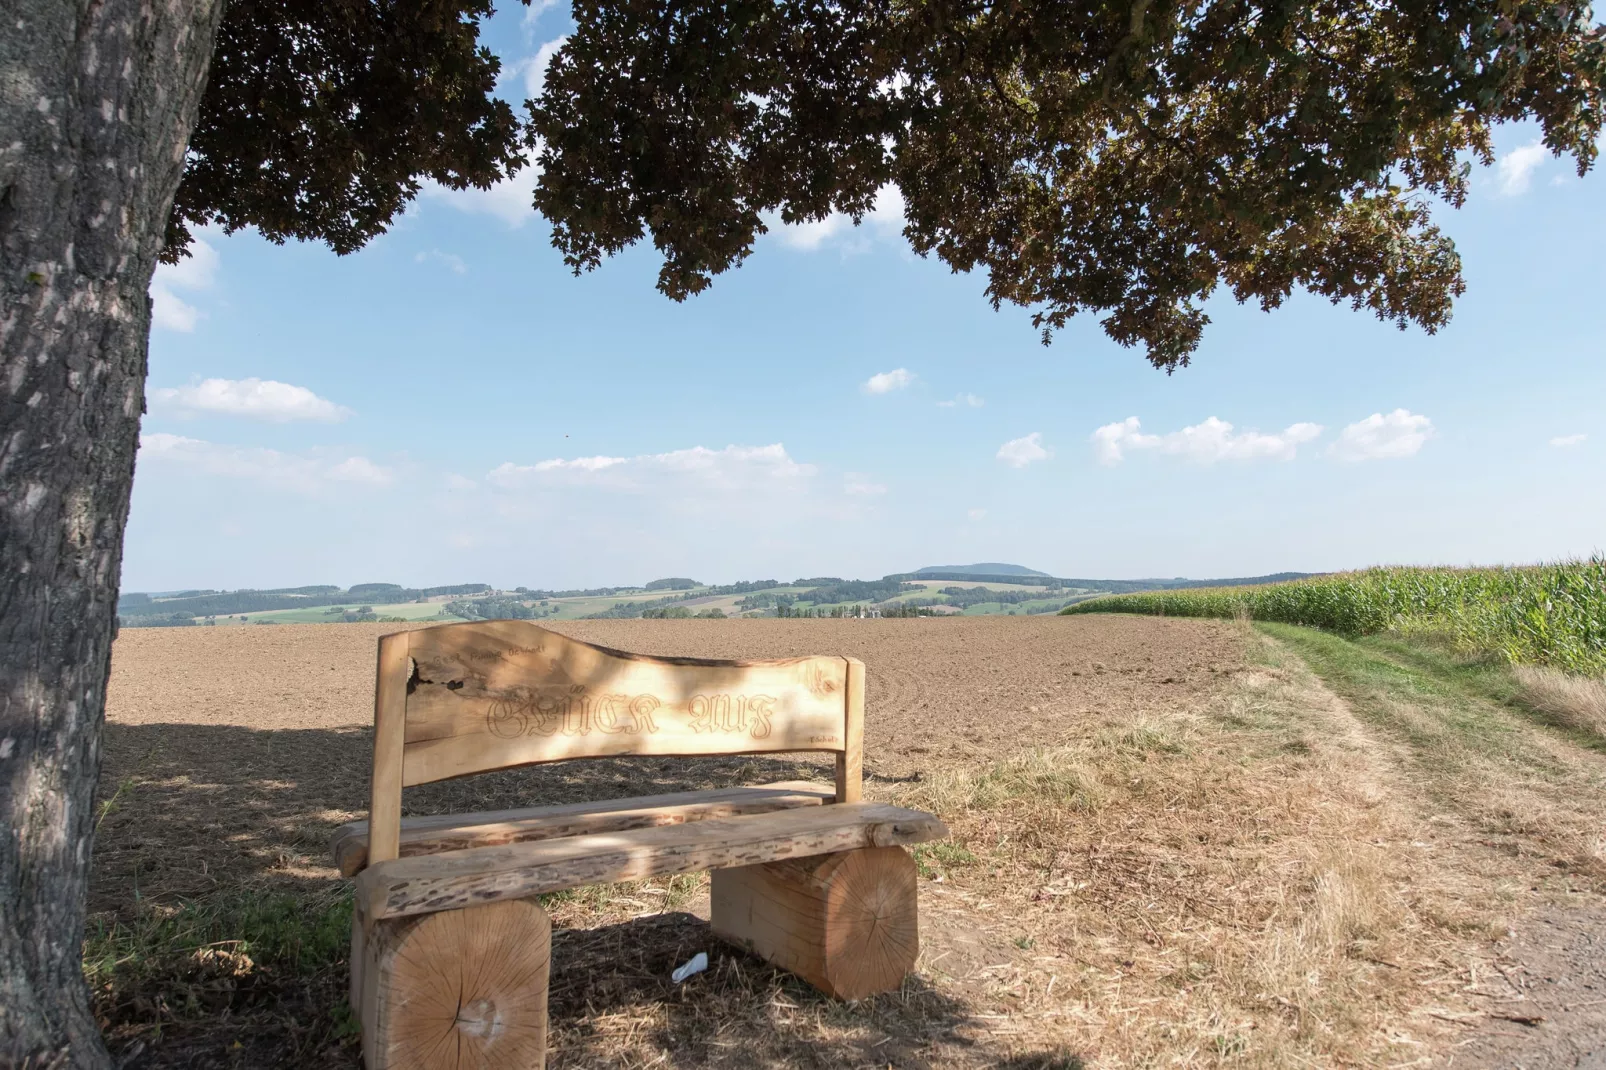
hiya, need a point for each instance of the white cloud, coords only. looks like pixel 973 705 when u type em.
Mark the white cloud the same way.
pixel 733 468
pixel 451 260
pixel 302 473
pixel 533 13
pixel 1514 171
pixel 511 200
pixel 360 470
pixel 886 382
pixel 171 312
pixel 1206 443
pixel 258 399
pixel 535 73
pixel 1379 437
pixel 968 400
pixel 198 271
pixel 1020 452
pixel 860 485
pixel 1564 441
pixel 884 220
pixel 976 514
pixel 532 69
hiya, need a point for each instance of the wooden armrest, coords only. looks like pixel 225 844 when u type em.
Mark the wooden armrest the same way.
pixel 428 883
pixel 456 832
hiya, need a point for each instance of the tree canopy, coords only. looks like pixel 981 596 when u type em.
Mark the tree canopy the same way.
pixel 1121 159
pixel 321 118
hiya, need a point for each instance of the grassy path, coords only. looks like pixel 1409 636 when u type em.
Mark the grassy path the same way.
pixel 1512 820
pixel 1525 784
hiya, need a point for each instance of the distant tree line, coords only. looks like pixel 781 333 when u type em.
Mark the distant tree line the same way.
pixel 742 587
pixel 132 607
pixel 495 609
pixel 1109 586
pixel 627 610
pixel 172 620
pixel 889 609
pixel 672 583
pixel 588 592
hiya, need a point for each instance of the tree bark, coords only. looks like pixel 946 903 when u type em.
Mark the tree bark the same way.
pixel 97 100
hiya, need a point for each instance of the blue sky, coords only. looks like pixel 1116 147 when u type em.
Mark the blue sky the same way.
pixel 451 405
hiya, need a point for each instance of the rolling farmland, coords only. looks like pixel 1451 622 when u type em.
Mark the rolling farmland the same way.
pixel 1017 592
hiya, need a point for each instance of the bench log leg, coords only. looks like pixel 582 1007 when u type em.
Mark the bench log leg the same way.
pixel 847 923
pixel 454 990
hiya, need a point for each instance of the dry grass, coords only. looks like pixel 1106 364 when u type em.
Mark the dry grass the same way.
pixel 1576 701
pixel 1228 885
pixel 1466 737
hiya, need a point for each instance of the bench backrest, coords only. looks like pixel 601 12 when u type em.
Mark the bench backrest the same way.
pixel 484 695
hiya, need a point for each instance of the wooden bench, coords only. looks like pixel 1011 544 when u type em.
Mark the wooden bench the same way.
pixel 450 946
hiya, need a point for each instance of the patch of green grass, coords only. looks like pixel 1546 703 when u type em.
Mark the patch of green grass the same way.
pixel 1482 677
pixel 933 860
pixel 275 930
pixel 1436 716
pixel 263 972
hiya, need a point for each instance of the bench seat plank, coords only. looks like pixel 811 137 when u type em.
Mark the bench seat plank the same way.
pixel 455 832
pixel 426 883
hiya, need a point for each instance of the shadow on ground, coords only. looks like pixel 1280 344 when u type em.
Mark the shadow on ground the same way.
pixel 225 921
pixel 191 809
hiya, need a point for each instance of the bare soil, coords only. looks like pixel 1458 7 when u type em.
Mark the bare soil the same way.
pixel 1543 998
pixel 252 744
pixel 1165 852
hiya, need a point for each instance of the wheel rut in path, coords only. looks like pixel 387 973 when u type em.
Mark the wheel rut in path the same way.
pixel 1538 1000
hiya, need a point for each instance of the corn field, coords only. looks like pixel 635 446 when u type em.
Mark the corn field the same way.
pixel 1539 615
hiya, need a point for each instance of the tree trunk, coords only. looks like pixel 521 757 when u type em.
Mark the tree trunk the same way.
pixel 97 101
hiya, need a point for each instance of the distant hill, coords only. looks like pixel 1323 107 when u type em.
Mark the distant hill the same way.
pixel 990 573
pixel 1134 586
pixel 985 568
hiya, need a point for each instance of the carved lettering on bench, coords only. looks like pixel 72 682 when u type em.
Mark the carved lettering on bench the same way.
pixel 728 713
pixel 576 713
